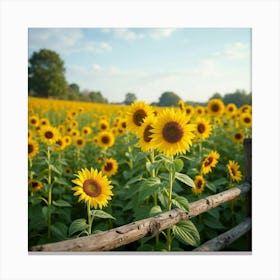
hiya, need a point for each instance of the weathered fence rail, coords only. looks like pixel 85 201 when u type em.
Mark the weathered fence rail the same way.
pixel 126 234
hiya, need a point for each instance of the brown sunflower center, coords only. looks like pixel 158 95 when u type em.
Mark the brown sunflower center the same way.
pixel 188 111
pixel 105 139
pixel 103 126
pixel 233 172
pixel 238 136
pixel 59 142
pixel 80 142
pixel 230 109
pixel 92 188
pixel 34 184
pixel 108 166
pixel 138 117
pixel 148 134
pixel 208 161
pixel 123 124
pixel 49 134
pixel 30 148
pixel 172 132
pixel 201 127
pixel 215 107
pixel 247 120
pixel 199 184
pixel 33 121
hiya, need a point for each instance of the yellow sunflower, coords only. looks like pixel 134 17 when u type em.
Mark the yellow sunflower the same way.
pixel 189 110
pixel 93 187
pixel 103 125
pixel 238 137
pixel 209 162
pixel 199 185
pixel 60 144
pixel 79 142
pixel 136 114
pixel 106 139
pixel 246 119
pixel 33 148
pixel 110 167
pixel 216 107
pixel 171 133
pixel 44 122
pixel 49 134
pixel 34 121
pixel 231 109
pixel 199 110
pixel 145 134
pixel 203 128
pixel 35 185
pixel 67 140
pixel 181 105
pixel 86 130
pixel 233 170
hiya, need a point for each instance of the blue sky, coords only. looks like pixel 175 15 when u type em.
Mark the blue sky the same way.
pixel 192 62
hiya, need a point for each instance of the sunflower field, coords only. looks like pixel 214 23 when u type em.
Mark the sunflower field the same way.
pixel 94 167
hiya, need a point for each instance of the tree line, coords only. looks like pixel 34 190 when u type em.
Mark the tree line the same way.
pixel 46 79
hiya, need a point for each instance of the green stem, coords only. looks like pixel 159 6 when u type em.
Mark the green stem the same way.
pixel 90 219
pixel 50 191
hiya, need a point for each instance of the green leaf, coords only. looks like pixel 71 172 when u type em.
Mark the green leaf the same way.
pixel 59 230
pixel 101 214
pixel 220 181
pixel 62 203
pixel 178 164
pixel 186 233
pixel 54 169
pixel 155 210
pixel 181 202
pixel 185 179
pixel 78 225
pixel 149 187
pixel 60 181
pixel 213 222
pixel 47 210
pixel 210 186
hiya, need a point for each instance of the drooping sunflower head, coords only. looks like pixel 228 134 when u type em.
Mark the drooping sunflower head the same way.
pixel 33 148
pixel 233 170
pixel 145 134
pixel 93 187
pixel 209 162
pixel 216 107
pixel 35 185
pixel 110 167
pixel 136 114
pixel 49 134
pixel 106 139
pixel 203 128
pixel 199 185
pixel 171 133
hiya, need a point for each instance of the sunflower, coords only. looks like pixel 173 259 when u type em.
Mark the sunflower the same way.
pixel 86 130
pixel 67 140
pixel 110 167
pixel 79 142
pixel 231 109
pixel 145 134
pixel 136 114
pixel 181 105
pixel 33 148
pixel 92 187
pixel 199 185
pixel 199 110
pixel 60 144
pixel 35 185
pixel 246 119
pixel 44 122
pixel 103 125
pixel 49 134
pixel 216 107
pixel 34 121
pixel 203 128
pixel 30 134
pixel 189 110
pixel 106 139
pixel 238 137
pixel 75 132
pixel 171 134
pixel 233 170
pixel 210 161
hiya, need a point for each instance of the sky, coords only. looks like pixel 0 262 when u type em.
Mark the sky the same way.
pixel 194 63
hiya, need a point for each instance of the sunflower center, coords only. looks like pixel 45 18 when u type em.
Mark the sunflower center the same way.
pixel 238 136
pixel 59 142
pixel 138 117
pixel 34 184
pixel 201 128
pixel 215 107
pixel 208 161
pixel 108 166
pixel 80 142
pixel 188 111
pixel 30 149
pixel 199 184
pixel 124 124
pixel 172 132
pixel 105 139
pixel 233 171
pixel 247 120
pixel 92 188
pixel 148 134
pixel 33 121
pixel 103 126
pixel 49 134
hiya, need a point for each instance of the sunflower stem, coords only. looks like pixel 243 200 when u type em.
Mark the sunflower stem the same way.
pixel 171 179
pixel 90 219
pixel 50 191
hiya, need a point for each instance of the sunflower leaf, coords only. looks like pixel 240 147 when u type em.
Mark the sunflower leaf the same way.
pixel 185 179
pixel 187 233
pixel 101 214
pixel 61 203
pixel 181 202
pixel 78 225
pixel 178 164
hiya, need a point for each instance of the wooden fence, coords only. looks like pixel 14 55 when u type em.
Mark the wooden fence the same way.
pixel 126 234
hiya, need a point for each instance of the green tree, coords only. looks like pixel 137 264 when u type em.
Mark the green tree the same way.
pixel 168 98
pixel 130 98
pixel 46 75
pixel 73 92
pixel 97 97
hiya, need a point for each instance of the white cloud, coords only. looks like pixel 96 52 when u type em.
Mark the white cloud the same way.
pixel 123 33
pixel 67 40
pixel 159 33
pixel 235 50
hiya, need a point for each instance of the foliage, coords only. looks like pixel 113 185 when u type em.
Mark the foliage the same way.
pixel 130 98
pixel 168 98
